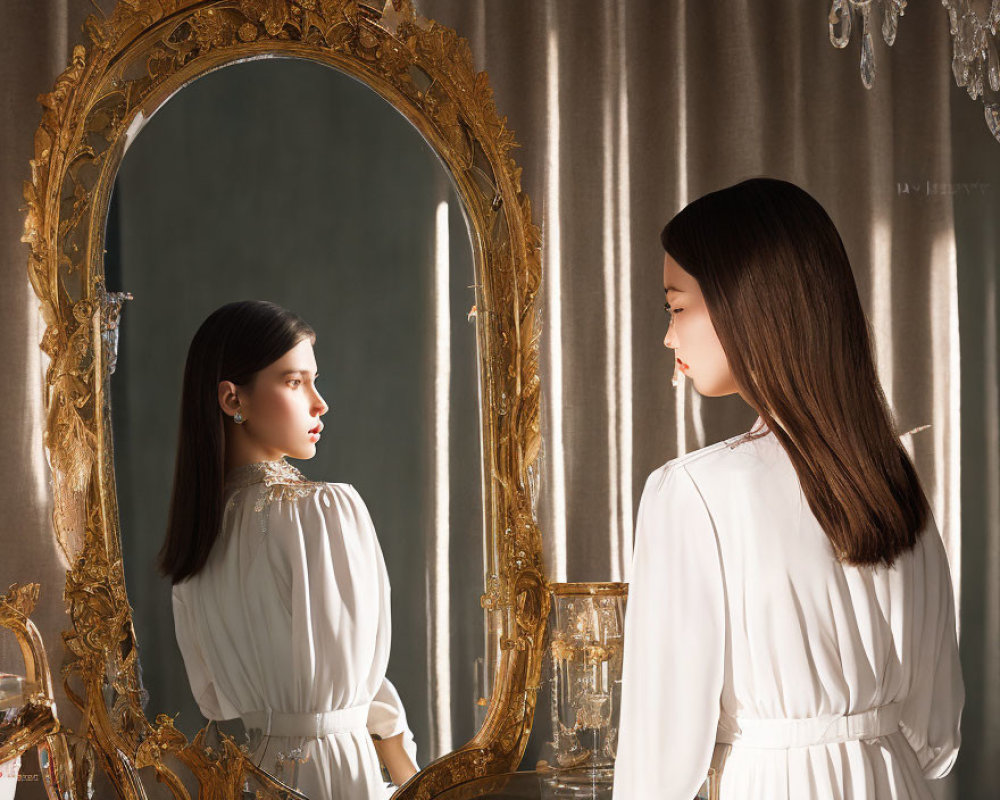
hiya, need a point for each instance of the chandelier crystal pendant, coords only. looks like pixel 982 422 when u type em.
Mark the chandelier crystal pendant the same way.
pixel 974 26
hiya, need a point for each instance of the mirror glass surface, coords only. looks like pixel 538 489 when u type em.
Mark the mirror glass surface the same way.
pixel 286 180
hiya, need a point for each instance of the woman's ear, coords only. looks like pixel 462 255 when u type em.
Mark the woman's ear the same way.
pixel 229 401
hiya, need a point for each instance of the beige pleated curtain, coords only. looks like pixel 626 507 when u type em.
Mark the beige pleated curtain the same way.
pixel 625 112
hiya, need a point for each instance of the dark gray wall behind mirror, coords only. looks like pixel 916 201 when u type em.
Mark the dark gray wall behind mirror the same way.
pixel 288 181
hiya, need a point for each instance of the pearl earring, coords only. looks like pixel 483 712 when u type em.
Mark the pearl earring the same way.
pixel 238 417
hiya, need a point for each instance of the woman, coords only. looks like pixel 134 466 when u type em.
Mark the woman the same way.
pixel 280 596
pixel 790 617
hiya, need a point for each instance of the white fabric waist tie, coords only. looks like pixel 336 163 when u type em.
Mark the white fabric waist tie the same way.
pixel 788 733
pixel 308 724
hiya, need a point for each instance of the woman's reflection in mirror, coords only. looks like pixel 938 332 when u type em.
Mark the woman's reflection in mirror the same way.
pixel 280 591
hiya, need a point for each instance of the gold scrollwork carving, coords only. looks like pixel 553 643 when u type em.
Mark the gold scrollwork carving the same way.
pixel 66 761
pixel 135 59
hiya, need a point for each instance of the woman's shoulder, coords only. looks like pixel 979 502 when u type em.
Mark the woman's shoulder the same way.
pixel 277 481
pixel 335 496
pixel 731 452
pixel 330 495
pixel 342 491
pixel 330 504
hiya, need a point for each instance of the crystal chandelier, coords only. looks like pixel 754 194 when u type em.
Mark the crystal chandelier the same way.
pixel 974 28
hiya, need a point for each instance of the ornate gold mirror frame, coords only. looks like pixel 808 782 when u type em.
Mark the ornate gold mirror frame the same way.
pixel 136 59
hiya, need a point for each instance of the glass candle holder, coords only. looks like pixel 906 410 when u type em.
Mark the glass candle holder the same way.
pixel 586 661
pixel 12 694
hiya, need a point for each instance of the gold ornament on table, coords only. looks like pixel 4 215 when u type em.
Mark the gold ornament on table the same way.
pixel 28 709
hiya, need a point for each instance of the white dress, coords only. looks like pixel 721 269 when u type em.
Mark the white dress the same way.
pixel 289 619
pixel 816 679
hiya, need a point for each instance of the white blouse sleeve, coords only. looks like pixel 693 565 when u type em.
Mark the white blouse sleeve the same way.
pixel 386 717
pixel 674 650
pixel 932 710
pixel 199 676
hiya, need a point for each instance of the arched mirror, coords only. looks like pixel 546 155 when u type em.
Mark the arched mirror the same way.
pixel 345 162
pixel 286 180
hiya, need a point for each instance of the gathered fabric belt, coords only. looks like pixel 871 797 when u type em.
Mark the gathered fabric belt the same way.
pixel 308 724
pixel 788 733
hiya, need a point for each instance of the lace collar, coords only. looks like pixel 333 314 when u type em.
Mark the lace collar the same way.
pixel 266 472
pixel 281 479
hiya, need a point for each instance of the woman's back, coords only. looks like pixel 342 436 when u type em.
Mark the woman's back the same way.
pixel 827 680
pixel 288 627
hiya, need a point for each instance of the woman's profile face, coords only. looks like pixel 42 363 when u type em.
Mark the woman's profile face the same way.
pixel 691 334
pixel 282 408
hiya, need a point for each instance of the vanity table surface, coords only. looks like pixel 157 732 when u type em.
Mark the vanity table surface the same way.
pixel 531 785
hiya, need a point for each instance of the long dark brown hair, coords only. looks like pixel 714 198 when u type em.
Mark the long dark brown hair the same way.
pixel 234 343
pixel 782 298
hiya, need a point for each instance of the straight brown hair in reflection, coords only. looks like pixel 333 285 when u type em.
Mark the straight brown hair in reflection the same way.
pixel 782 298
pixel 234 343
